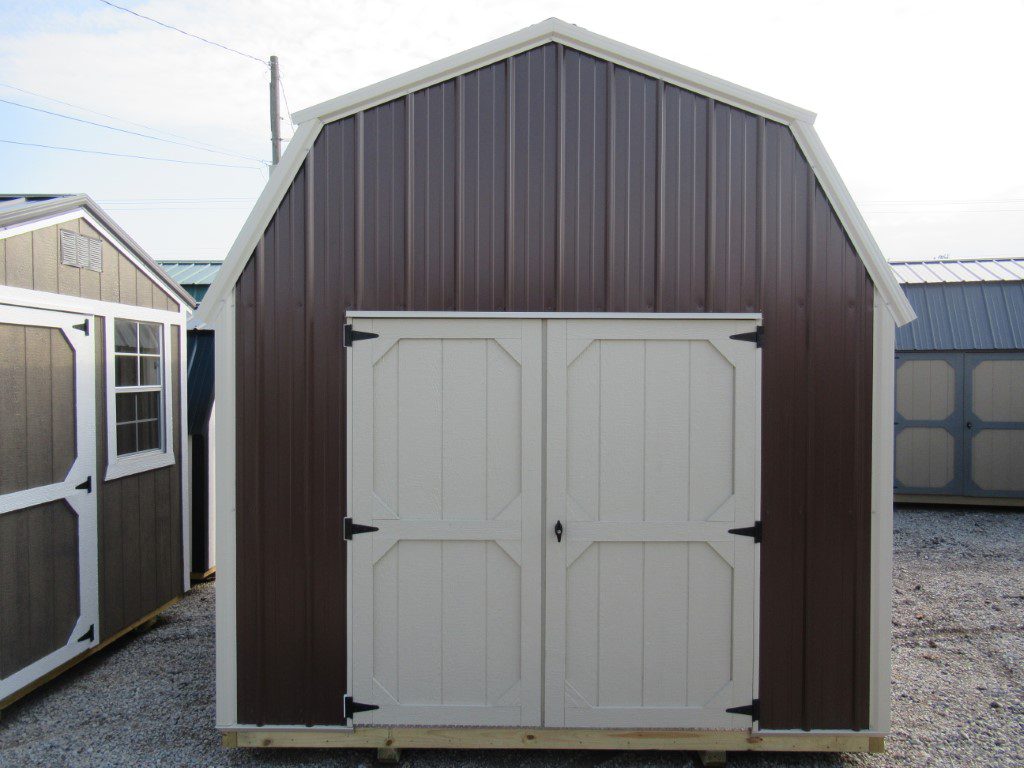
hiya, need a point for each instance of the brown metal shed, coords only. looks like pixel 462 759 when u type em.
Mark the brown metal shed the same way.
pixel 93 509
pixel 553 176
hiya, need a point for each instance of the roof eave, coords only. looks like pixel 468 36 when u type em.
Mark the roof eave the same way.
pixel 66 203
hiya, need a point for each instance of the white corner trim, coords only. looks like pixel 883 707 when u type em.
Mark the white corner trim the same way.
pixel 849 214
pixel 92 221
pixel 122 466
pixel 224 445
pixel 882 437
pixel 554 31
pixel 259 217
pixel 184 462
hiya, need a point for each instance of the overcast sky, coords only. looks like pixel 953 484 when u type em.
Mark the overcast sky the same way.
pixel 919 104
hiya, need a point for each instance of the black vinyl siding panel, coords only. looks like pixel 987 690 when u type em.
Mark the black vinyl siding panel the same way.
pixel 554 181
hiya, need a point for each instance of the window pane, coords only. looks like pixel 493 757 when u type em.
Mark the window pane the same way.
pixel 148 405
pixel 149 338
pixel 125 407
pixel 125 336
pixel 126 370
pixel 126 439
pixel 149 435
pixel 150 369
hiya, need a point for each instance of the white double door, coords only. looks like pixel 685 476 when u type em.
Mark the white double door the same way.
pixel 553 499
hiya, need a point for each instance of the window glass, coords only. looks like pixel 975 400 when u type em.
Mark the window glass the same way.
pixel 138 386
pixel 126 336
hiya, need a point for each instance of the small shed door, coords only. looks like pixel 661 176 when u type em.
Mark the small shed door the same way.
pixel 652 435
pixel 445 423
pixel 930 423
pixel 48 565
pixel 994 430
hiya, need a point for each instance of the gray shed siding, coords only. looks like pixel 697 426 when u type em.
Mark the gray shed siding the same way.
pixel 964 316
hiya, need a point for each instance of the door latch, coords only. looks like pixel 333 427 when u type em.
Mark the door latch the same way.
pixel 558 530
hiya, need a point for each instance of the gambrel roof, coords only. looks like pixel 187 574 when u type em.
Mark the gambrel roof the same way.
pixel 800 122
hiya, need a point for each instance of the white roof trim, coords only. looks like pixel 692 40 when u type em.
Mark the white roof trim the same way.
pixel 554 30
pixel 100 227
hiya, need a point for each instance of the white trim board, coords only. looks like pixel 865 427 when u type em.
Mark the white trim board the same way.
pixel 92 221
pixel 61 302
pixel 554 30
pixel 370 313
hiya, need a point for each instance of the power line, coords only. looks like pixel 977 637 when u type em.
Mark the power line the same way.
pixel 134 157
pixel 125 130
pixel 183 32
pixel 113 117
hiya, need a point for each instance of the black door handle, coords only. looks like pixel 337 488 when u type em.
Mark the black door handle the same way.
pixel 969 425
pixel 558 530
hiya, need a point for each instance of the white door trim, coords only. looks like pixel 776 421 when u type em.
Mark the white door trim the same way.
pixel 83 502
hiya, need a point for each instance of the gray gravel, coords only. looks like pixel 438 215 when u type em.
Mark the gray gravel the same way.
pixel 958 690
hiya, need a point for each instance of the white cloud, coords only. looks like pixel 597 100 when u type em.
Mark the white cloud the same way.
pixel 916 101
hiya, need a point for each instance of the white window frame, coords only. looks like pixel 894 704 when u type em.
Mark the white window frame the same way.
pixel 133 463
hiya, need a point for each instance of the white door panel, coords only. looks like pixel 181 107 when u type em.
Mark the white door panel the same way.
pixel 446 420
pixel 651 430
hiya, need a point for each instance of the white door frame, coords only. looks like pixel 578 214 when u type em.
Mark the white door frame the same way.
pixel 81 501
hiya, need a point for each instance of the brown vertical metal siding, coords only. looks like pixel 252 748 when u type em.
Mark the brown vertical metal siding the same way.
pixel 555 181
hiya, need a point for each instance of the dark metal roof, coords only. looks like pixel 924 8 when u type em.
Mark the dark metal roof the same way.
pixel 18 209
pixel 964 316
pixel 200 380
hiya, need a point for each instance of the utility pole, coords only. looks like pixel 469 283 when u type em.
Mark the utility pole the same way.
pixel 275 111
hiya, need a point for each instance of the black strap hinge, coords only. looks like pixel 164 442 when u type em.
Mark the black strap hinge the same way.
pixel 350 529
pixel 82 326
pixel 90 635
pixel 756 336
pixel 86 485
pixel 753 710
pixel 352 707
pixel 753 531
pixel 353 335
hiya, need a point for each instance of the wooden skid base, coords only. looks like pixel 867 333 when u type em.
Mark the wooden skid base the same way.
pixel 553 738
pixel 198 576
pixel 149 617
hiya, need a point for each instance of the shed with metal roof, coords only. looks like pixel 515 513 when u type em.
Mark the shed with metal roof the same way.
pixel 960 382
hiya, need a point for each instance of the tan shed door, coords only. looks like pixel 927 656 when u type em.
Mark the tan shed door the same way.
pixel 48 565
pixel 652 434
pixel 445 430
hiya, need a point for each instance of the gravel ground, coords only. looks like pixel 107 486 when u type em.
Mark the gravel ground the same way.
pixel 958 687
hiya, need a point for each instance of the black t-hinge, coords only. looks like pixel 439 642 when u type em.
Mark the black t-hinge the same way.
pixel 353 335
pixel 753 710
pixel 82 326
pixel 86 485
pixel 753 531
pixel 352 707
pixel 90 634
pixel 756 336
pixel 350 529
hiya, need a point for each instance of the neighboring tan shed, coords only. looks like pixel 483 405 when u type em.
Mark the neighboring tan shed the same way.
pixel 93 502
pixel 567 326
pixel 960 383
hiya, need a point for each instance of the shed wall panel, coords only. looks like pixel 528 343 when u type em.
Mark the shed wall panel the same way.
pixel 578 186
pixel 138 517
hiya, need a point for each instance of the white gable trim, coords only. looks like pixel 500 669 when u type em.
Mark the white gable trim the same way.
pixel 92 221
pixel 553 30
